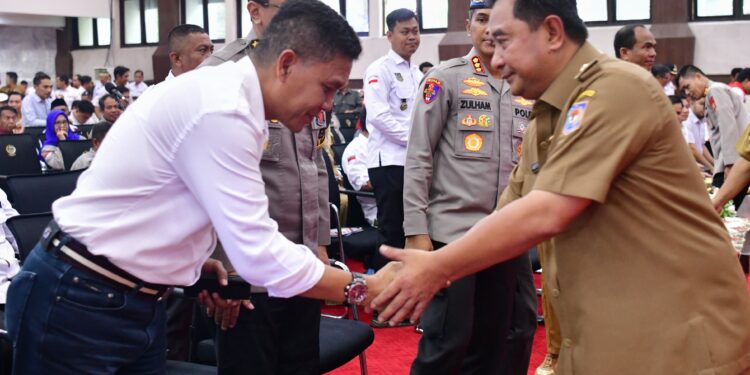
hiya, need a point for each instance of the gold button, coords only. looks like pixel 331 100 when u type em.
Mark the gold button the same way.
pixel 555 293
pixel 568 343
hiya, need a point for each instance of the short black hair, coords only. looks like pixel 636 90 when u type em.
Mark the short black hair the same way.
pixel 100 129
pixel 743 75
pixel 85 106
pixel 14 93
pixel 8 108
pixel 85 79
pixel 122 89
pixel 39 77
pixel 425 64
pixel 312 30
pixel 675 99
pixel 625 38
pixel 533 12
pixel 138 71
pixel 399 15
pixel 24 82
pixel 13 76
pixel 735 71
pixel 687 71
pixel 660 70
pixel 64 77
pixel 58 102
pixel 120 70
pixel 103 99
pixel 87 93
pixel 180 31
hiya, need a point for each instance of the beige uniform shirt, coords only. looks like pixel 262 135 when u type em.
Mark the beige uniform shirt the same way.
pixel 293 172
pixel 727 119
pixel 645 280
pixel 465 138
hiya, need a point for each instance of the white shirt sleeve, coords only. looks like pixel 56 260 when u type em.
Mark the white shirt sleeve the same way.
pixel 377 101
pixel 219 162
pixel 686 133
pixel 354 163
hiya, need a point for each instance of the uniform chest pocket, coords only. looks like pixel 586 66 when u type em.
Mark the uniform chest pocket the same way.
pixel 475 132
pixel 516 139
pixel 272 149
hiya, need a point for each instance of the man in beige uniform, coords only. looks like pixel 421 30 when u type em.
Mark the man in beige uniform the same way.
pixel 644 278
pixel 465 139
pixel 280 336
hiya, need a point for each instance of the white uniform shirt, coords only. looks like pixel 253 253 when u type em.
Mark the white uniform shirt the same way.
pixel 354 164
pixel 669 88
pixel 696 128
pixel 70 94
pixel 9 266
pixel 180 166
pixel 390 83
pixel 136 89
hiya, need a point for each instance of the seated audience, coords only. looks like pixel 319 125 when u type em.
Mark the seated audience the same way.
pixel 11 83
pixel 354 164
pixel 741 86
pixel 8 120
pixel 126 98
pixel 663 74
pixel 346 101
pixel 36 105
pixel 82 113
pixel 23 88
pixel 694 130
pixel 98 133
pixel 137 87
pixel 59 104
pixel 58 129
pixel 65 91
pixel 99 89
pixel 87 85
pixel 108 107
pixel 680 108
pixel 9 266
pixel 15 100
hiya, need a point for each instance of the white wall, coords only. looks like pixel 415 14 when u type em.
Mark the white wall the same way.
pixel 27 50
pixel 60 8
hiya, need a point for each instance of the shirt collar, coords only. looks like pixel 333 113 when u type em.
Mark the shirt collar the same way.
pixel 396 58
pixel 558 92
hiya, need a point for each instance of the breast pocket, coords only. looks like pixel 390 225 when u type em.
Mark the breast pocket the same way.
pixel 516 139
pixel 272 149
pixel 475 132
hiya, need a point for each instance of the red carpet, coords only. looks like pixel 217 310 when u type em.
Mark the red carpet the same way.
pixel 395 348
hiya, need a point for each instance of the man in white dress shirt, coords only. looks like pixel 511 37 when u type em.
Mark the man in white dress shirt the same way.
pixel 354 164
pixel 137 87
pixel 88 299
pixel 391 83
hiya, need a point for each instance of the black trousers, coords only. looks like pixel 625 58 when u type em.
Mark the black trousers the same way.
pixel 388 186
pixel 517 354
pixel 179 318
pixel 280 336
pixel 466 326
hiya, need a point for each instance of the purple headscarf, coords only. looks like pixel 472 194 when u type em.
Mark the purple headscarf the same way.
pixel 50 132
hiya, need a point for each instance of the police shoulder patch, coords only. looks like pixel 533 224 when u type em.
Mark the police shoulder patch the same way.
pixel 432 88
pixel 477 64
pixel 574 119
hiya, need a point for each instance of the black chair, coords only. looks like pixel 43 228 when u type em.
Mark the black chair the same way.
pixel 18 155
pixel 35 193
pixel 27 230
pixel 338 152
pixel 36 132
pixel 6 353
pixel 85 130
pixel 361 245
pixel 341 340
pixel 71 150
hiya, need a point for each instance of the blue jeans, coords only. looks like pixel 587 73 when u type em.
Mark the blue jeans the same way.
pixel 63 320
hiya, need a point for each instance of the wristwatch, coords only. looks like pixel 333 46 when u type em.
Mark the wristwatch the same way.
pixel 356 291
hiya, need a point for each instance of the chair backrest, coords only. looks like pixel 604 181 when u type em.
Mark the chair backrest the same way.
pixel 333 186
pixel 338 152
pixel 355 216
pixel 36 132
pixel 18 155
pixel 71 150
pixel 85 130
pixel 32 194
pixel 27 230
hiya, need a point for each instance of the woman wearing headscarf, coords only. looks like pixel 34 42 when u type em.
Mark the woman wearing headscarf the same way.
pixel 58 129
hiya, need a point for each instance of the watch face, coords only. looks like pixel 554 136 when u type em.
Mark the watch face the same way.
pixel 357 293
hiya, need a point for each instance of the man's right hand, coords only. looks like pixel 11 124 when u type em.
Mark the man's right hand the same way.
pixel 419 241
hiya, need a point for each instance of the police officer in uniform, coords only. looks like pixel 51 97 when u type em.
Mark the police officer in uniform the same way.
pixel 280 336
pixel 465 139
pixel 643 276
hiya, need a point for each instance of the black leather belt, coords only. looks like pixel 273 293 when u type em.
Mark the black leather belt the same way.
pixel 76 254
